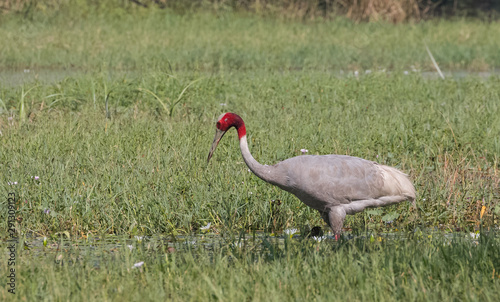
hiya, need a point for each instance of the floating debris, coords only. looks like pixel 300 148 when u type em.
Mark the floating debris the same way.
pixel 318 238
pixel 475 235
pixel 207 227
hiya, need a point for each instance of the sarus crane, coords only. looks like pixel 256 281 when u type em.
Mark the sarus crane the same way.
pixel 334 185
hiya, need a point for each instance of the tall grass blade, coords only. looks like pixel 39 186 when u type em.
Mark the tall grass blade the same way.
pixel 180 96
pixel 3 106
pixel 108 114
pixel 155 96
pixel 434 62
pixel 22 107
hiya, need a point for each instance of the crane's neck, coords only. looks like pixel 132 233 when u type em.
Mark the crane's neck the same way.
pixel 262 171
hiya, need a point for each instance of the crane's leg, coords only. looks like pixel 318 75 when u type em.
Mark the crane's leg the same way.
pixel 324 215
pixel 334 217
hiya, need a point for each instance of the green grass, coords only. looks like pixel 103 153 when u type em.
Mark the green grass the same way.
pixel 145 171
pixel 261 269
pixel 118 122
pixel 151 39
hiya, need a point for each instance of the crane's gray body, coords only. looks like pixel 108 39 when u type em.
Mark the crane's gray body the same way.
pixel 335 185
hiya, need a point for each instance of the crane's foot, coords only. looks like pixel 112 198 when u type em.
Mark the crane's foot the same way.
pixel 336 217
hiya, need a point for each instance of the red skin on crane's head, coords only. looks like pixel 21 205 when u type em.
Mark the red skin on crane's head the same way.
pixel 228 120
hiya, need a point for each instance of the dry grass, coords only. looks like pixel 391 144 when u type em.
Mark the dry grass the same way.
pixel 12 5
pixel 389 10
pixel 457 175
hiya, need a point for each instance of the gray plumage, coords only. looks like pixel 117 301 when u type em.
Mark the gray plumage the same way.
pixel 335 185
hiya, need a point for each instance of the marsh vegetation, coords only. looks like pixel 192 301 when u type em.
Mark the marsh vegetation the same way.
pixel 106 118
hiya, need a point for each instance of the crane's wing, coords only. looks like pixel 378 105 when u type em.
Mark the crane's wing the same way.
pixel 329 180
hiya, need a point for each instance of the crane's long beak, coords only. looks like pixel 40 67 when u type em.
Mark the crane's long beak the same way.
pixel 218 136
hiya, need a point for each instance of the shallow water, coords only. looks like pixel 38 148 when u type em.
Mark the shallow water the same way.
pixel 15 78
pixel 98 251
pixel 49 76
pixel 208 240
pixel 26 76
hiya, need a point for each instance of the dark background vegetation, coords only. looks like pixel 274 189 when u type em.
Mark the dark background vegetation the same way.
pixel 358 10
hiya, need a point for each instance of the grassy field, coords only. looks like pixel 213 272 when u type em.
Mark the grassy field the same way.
pixel 110 137
pixel 144 170
pixel 149 39
pixel 419 268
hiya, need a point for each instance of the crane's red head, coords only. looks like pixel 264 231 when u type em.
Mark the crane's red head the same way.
pixel 224 122
pixel 228 120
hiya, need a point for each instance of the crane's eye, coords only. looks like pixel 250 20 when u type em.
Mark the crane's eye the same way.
pixel 225 120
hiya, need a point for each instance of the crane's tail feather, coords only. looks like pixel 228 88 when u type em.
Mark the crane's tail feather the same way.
pixel 398 183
